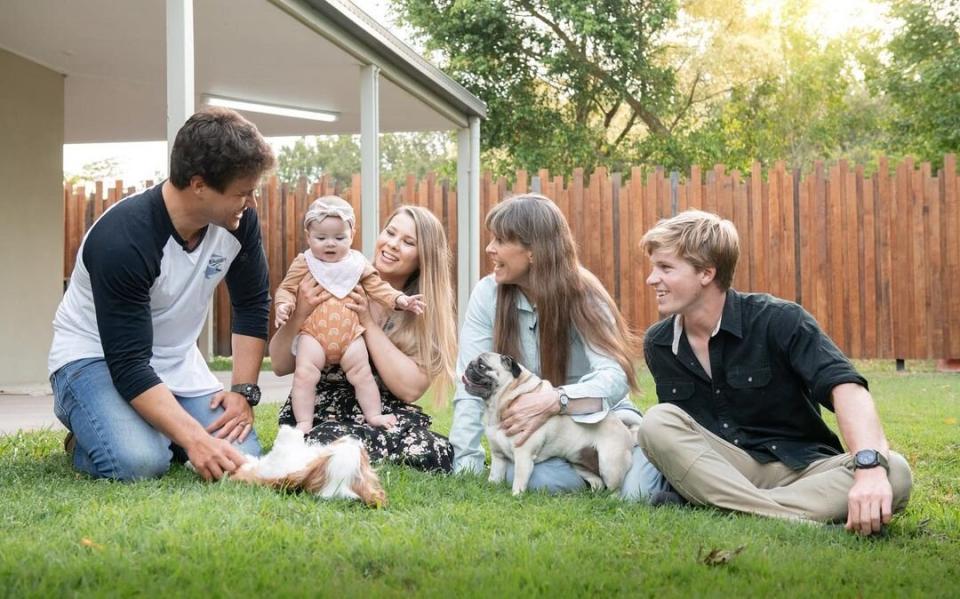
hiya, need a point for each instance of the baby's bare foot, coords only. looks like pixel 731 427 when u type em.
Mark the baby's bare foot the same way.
pixel 387 421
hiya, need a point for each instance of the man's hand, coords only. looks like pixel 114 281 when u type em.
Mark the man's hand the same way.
pixel 870 501
pixel 412 303
pixel 281 314
pixel 528 412
pixel 236 422
pixel 213 458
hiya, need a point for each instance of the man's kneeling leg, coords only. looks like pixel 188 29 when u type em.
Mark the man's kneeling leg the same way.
pixel 112 439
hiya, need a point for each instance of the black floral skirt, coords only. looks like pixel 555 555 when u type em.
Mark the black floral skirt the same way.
pixel 336 414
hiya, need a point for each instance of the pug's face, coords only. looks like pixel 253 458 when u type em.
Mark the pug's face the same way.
pixel 488 373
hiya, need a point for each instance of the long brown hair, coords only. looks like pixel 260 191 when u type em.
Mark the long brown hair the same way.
pixel 430 339
pixel 563 291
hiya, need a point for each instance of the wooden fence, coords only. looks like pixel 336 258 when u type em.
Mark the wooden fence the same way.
pixel 875 259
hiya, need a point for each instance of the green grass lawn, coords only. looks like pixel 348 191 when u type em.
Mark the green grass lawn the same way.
pixel 65 534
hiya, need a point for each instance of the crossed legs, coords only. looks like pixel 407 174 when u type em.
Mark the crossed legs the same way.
pixel 708 470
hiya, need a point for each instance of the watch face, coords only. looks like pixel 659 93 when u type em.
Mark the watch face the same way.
pixel 866 458
pixel 249 391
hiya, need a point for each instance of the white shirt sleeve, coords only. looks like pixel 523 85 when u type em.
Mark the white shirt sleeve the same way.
pixel 605 379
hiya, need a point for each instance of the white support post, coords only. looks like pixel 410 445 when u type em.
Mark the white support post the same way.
pixel 466 241
pixel 180 92
pixel 370 156
pixel 468 214
pixel 180 97
pixel 475 216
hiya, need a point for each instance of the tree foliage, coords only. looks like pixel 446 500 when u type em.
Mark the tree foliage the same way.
pixel 583 83
pixel 339 157
pixel 920 78
pixel 98 170
pixel 811 105
pixel 567 82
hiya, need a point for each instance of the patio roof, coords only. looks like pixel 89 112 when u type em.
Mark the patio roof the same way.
pixel 134 70
pixel 307 54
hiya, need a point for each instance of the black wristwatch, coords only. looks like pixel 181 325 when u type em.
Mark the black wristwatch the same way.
pixel 249 391
pixel 869 458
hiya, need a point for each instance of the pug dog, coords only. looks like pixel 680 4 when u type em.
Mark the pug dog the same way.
pixel 606 445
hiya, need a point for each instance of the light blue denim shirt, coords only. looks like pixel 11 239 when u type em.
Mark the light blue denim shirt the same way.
pixel 589 374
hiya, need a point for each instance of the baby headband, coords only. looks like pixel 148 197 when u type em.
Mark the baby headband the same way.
pixel 321 209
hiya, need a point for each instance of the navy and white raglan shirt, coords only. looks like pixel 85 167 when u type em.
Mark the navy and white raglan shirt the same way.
pixel 139 299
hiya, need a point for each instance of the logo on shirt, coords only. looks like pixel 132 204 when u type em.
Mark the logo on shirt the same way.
pixel 215 266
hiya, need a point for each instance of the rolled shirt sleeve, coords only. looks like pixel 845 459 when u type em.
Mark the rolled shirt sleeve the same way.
pixel 812 354
pixel 604 379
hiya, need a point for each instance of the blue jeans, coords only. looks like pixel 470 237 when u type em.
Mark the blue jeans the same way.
pixel 556 475
pixel 113 440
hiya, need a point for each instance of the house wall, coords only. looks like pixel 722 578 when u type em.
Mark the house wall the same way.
pixel 31 218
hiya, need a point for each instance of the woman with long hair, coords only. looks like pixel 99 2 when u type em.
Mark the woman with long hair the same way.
pixel 551 314
pixel 409 353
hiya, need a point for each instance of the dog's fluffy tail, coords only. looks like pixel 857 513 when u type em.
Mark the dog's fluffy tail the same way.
pixel 340 469
pixel 349 474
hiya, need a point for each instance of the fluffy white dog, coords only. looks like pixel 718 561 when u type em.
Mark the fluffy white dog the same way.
pixel 606 445
pixel 340 469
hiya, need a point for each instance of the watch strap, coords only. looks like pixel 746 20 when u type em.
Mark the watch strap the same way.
pixel 880 461
pixel 883 462
pixel 250 391
pixel 564 400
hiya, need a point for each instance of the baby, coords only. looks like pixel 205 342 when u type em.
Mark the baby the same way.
pixel 332 333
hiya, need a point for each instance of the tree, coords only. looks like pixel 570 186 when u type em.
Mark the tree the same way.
pixel 567 82
pixel 339 157
pixel 811 106
pixel 91 172
pixel 919 76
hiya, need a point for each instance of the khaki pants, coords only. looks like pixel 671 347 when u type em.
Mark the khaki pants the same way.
pixel 707 470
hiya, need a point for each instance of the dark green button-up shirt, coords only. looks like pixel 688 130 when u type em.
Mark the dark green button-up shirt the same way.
pixel 773 367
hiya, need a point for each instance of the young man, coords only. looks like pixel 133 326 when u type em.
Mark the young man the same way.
pixel 739 378
pixel 128 380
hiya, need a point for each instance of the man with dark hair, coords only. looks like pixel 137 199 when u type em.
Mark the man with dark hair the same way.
pixel 128 379
pixel 741 378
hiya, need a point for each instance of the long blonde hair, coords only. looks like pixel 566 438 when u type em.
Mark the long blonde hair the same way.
pixel 430 339
pixel 563 291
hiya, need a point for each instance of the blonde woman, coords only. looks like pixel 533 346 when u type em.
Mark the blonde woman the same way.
pixel 539 296
pixel 409 353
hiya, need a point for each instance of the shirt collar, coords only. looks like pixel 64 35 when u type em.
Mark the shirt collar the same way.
pixel 523 303
pixel 732 318
pixel 730 321
pixel 678 332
